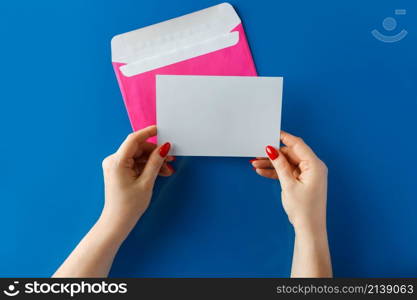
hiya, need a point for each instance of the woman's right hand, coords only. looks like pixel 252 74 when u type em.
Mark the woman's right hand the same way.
pixel 303 178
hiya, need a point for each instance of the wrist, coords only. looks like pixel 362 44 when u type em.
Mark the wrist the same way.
pixel 115 225
pixel 309 230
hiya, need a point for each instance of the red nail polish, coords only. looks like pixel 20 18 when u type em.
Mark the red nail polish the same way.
pixel 272 152
pixel 171 168
pixel 163 151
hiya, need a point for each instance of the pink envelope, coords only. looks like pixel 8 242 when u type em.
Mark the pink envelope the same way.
pixel 207 42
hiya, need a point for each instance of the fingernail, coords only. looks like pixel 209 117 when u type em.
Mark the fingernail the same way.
pixel 252 160
pixel 163 151
pixel 171 168
pixel 272 152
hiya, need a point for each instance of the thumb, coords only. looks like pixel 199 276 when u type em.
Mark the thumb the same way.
pixel 281 165
pixel 154 164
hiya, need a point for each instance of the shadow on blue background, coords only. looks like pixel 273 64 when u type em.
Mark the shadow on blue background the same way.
pixel 350 96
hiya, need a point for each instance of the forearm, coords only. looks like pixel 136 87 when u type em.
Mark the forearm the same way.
pixel 311 256
pixel 94 255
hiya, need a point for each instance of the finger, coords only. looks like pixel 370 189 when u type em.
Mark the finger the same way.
pixel 296 173
pixel 266 163
pixel 300 150
pixel 262 164
pixel 290 155
pixel 268 173
pixel 145 149
pixel 129 148
pixel 141 160
pixel 281 165
pixel 166 170
pixel 154 164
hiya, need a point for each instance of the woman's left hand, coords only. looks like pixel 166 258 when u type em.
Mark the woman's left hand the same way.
pixel 129 177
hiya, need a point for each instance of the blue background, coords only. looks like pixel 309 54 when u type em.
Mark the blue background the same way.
pixel 351 97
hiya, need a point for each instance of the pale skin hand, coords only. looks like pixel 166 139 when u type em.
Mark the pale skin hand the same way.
pixel 303 178
pixel 130 174
pixel 129 177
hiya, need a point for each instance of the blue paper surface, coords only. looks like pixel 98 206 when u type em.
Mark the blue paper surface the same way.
pixel 350 96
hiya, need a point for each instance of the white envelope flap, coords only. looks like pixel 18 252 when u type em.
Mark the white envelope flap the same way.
pixel 175 40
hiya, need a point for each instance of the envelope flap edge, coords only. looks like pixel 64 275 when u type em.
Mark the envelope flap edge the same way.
pixel 221 18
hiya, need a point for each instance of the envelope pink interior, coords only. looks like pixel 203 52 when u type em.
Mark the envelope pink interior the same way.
pixel 139 91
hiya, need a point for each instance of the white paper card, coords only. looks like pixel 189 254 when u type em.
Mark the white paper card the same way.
pixel 218 115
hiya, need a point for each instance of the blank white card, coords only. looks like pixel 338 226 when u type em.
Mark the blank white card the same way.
pixel 218 115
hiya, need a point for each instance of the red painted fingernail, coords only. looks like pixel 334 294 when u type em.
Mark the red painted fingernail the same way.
pixel 272 152
pixel 252 160
pixel 163 151
pixel 171 168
